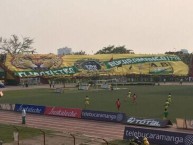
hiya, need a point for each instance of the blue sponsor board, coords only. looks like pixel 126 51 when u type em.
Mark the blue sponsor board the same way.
pixel 159 136
pixel 147 122
pixel 103 116
pixel 30 108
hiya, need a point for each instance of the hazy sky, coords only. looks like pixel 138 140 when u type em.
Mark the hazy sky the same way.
pixel 145 26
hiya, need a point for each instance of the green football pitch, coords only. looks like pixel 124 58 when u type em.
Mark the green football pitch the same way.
pixel 149 104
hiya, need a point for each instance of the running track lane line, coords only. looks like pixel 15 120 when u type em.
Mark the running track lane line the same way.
pixel 74 125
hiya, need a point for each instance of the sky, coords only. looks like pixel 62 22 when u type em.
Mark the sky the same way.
pixel 145 26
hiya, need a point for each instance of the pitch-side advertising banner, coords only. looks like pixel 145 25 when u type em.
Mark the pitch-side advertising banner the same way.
pixel 9 107
pixel 103 116
pixel 160 137
pixel 147 122
pixel 64 112
pixel 25 65
pixel 30 108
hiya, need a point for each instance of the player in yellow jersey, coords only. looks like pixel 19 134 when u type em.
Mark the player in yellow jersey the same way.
pixel 169 98
pixel 145 141
pixel 128 95
pixel 86 101
pixel 165 113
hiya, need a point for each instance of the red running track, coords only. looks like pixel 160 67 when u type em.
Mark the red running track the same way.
pixel 106 130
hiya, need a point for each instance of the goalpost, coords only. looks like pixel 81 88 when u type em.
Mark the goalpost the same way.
pixel 83 86
pixel 106 84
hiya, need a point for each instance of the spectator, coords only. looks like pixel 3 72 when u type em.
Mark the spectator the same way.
pixel 26 84
pixel 181 81
pixel 145 141
pixel 53 83
pixel 23 116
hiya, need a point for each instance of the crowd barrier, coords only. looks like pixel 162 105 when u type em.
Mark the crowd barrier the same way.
pixel 103 116
pixel 147 122
pixel 160 137
pixel 63 112
pixel 30 108
pixel 154 136
pixel 87 114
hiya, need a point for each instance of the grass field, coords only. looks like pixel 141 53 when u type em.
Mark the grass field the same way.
pixel 150 100
pixel 6 132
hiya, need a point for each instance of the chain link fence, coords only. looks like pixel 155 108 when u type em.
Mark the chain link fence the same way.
pixel 12 135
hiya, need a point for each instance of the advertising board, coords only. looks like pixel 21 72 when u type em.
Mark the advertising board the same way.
pixel 30 108
pixel 147 122
pixel 160 137
pixel 9 107
pixel 103 116
pixel 64 112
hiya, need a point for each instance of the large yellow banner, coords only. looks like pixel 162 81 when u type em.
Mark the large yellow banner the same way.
pixel 25 65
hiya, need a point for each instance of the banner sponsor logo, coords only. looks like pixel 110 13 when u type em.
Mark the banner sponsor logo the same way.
pixel 89 64
pixel 159 137
pixel 136 60
pixel 188 140
pixel 148 122
pixel 103 116
pixel 30 108
pixel 10 107
pixel 61 71
pixel 64 112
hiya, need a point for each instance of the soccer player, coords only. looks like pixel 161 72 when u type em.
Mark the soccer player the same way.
pixel 118 104
pixel 128 95
pixel 167 103
pixel 169 98
pixel 166 106
pixel 86 101
pixel 134 97
pixel 165 113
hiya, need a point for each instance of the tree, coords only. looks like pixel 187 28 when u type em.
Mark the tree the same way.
pixel 112 49
pixel 119 49
pixel 14 45
pixel 106 50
